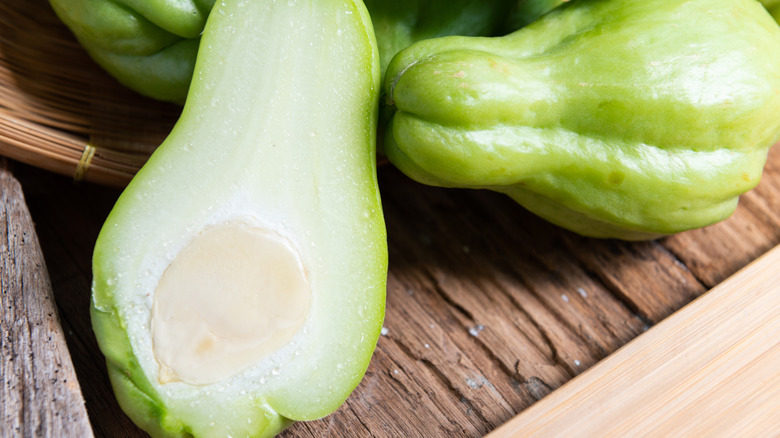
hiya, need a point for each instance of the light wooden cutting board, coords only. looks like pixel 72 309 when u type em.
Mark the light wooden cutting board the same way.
pixel 710 370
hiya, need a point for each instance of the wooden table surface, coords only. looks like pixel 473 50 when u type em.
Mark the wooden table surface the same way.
pixel 488 307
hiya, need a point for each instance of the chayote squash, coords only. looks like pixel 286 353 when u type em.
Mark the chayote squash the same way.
pixel 151 45
pixel 526 12
pixel 773 6
pixel 400 23
pixel 147 45
pixel 629 119
pixel 239 281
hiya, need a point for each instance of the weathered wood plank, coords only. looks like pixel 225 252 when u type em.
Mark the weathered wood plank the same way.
pixel 68 218
pixel 40 394
pixel 489 308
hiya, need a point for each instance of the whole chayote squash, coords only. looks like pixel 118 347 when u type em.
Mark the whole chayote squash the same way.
pixel 151 45
pixel 629 119
pixel 147 45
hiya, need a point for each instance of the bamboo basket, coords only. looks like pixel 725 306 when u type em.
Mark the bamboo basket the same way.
pixel 61 112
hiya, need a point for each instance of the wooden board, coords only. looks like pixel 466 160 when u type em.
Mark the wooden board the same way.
pixel 489 308
pixel 711 369
pixel 40 394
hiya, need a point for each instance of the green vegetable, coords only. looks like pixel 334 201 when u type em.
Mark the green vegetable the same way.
pixel 773 6
pixel 151 45
pixel 526 12
pixel 623 118
pixel 148 45
pixel 400 23
pixel 239 282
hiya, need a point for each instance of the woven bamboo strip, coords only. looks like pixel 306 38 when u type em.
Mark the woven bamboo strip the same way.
pixel 57 107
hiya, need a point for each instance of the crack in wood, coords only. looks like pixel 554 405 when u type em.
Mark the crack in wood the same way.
pixel 444 380
pixel 451 303
pixel 537 387
pixel 359 418
pixel 616 292
pixel 554 356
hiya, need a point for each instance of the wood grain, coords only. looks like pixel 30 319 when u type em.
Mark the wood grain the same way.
pixel 712 369
pixel 40 394
pixel 489 308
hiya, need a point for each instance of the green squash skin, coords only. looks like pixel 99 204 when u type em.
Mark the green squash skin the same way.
pixel 136 397
pixel 773 6
pixel 148 46
pixel 617 119
pixel 399 24
pixel 173 192
pixel 151 46
pixel 526 12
